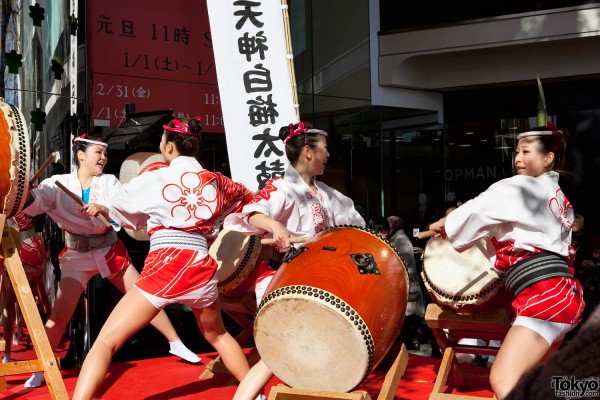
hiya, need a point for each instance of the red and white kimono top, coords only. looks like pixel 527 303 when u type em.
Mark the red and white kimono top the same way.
pixel 50 199
pixel 522 216
pixel 182 206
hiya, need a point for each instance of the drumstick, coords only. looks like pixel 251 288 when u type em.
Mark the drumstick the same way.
pixel 43 168
pixel 81 203
pixel 427 234
pixel 298 239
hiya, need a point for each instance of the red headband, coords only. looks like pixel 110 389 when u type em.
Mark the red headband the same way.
pixel 301 129
pixel 180 128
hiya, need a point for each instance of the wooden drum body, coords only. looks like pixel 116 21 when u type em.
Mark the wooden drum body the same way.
pixel 14 160
pixel 333 310
pixel 237 257
pixel 463 282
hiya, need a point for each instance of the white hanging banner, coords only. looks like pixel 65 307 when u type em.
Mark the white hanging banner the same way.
pixel 255 85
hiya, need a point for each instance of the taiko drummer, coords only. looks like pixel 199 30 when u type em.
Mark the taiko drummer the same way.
pixel 295 205
pixel 528 220
pixel 90 246
pixel 181 208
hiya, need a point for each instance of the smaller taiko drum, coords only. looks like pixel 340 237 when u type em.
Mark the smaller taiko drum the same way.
pixel 237 256
pixel 333 310
pixel 464 282
pixel 134 165
pixel 14 159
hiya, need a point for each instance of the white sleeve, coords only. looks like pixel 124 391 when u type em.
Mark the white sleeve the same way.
pixel 44 196
pixel 273 204
pixel 476 218
pixel 343 210
pixel 126 208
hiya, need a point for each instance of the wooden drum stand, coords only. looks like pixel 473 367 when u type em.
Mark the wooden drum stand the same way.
pixel 448 328
pixel 45 362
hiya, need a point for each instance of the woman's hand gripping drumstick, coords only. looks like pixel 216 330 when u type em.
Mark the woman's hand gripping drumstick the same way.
pixel 282 237
pixel 438 228
pixel 81 203
pixel 42 169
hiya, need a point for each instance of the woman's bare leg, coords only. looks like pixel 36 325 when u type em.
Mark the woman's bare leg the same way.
pixel 212 328
pixel 253 382
pixel 130 315
pixel 521 350
pixel 125 281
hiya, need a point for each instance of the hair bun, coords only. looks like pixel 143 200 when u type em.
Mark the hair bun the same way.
pixel 195 125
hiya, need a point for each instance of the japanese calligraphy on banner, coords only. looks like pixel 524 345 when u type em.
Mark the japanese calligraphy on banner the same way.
pixel 153 53
pixel 257 97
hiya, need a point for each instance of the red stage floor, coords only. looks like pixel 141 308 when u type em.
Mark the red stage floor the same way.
pixel 171 378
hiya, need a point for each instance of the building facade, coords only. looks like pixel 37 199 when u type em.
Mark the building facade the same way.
pixel 424 100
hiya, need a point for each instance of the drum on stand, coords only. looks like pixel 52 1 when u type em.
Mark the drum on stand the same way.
pixel 134 165
pixel 464 282
pixel 333 310
pixel 237 256
pixel 15 157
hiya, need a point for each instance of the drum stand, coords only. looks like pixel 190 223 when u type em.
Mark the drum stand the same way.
pixel 387 392
pixel 45 362
pixel 242 311
pixel 448 328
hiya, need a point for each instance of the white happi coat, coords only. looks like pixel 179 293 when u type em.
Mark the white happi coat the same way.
pixel 532 212
pixel 183 196
pixel 290 201
pixel 50 199
pixel 524 215
pixel 182 206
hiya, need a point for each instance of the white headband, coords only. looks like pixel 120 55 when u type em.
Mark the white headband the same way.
pixel 78 139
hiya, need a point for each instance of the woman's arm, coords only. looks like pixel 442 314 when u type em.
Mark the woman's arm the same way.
pixel 281 234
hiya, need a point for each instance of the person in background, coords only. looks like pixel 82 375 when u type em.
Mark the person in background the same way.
pixel 415 308
pixel 586 243
pixel 91 247
pixel 182 208
pixel 379 225
pixel 528 219
pixel 295 205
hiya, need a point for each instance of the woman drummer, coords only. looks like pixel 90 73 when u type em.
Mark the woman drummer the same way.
pixel 91 247
pixel 295 205
pixel 528 220
pixel 183 204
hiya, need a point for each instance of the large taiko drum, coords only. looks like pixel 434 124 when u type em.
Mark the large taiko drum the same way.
pixel 333 310
pixel 134 165
pixel 464 282
pixel 237 256
pixel 14 159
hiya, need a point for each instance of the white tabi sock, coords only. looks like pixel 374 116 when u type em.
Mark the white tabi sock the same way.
pixel 35 381
pixel 180 350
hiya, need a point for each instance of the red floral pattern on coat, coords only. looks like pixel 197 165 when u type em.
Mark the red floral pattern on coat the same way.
pixel 193 197
pixel 559 205
pixel 265 193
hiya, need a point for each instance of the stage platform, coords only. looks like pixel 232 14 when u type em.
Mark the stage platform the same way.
pixel 171 378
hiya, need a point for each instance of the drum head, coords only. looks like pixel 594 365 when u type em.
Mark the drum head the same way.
pixel 14 159
pixel 134 165
pixel 457 280
pixel 310 344
pixel 236 255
